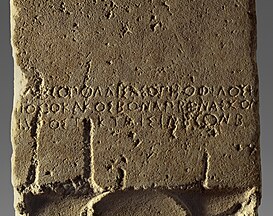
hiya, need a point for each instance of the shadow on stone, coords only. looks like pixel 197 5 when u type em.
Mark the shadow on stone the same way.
pixel 171 202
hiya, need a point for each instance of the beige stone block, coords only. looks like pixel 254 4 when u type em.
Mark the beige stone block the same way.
pixel 135 108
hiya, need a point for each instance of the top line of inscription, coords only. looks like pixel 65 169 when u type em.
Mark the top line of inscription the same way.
pixel 126 91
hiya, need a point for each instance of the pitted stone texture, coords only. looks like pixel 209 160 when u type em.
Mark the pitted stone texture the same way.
pixel 121 95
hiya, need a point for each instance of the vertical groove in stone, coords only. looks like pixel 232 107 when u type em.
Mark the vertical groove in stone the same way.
pixel 87 148
pixel 205 170
pixel 34 162
pixel 34 133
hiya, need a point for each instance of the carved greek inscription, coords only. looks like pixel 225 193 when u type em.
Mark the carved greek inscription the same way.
pixel 159 91
pixel 155 106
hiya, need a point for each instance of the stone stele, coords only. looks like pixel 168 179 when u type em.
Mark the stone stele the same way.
pixel 144 107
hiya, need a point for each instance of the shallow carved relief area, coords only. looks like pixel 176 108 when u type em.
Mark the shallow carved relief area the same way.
pixel 135 108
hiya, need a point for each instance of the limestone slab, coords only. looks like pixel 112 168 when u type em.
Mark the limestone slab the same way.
pixel 150 104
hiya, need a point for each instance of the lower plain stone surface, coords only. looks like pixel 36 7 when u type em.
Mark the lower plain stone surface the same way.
pixel 135 108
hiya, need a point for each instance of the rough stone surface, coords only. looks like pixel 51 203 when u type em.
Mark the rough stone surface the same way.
pixel 135 108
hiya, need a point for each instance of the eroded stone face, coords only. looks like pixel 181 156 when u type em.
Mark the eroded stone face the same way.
pixel 150 102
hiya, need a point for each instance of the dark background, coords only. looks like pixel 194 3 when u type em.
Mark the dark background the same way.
pixel 265 65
